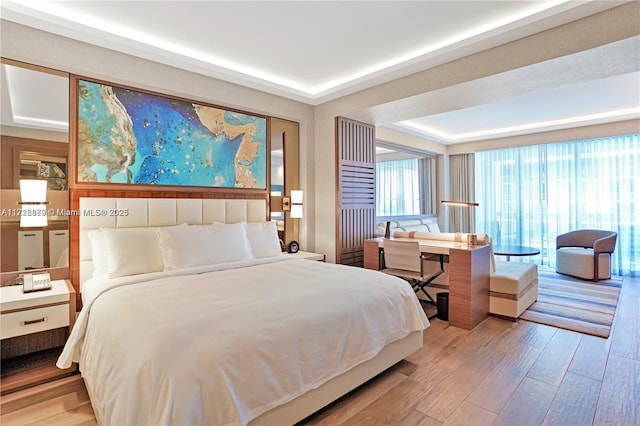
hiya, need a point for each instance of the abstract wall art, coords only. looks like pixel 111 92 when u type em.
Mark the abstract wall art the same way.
pixel 127 136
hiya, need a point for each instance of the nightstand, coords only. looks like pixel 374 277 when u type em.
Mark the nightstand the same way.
pixel 307 255
pixel 34 327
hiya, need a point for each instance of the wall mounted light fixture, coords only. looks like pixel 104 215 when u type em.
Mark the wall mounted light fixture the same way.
pixel 473 238
pixel 296 204
pixel 292 204
pixel 33 202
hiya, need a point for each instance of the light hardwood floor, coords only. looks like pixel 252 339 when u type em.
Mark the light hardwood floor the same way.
pixel 502 373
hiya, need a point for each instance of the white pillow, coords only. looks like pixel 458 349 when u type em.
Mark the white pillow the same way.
pixel 263 239
pixel 229 242
pixel 132 251
pixel 99 253
pixel 186 246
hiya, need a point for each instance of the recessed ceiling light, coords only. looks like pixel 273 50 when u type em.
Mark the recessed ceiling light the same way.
pixel 41 122
pixel 522 127
pixel 148 41
pixel 537 7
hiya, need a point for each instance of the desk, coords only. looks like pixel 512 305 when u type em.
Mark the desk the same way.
pixel 515 251
pixel 468 276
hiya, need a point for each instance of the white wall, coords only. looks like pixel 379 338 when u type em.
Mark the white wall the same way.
pixel 376 105
pixel 317 125
pixel 36 47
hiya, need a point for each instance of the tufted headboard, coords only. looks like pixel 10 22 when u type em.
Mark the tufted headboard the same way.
pixel 95 213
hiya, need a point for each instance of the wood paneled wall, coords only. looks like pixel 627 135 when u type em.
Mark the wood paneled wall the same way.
pixel 356 189
pixel 11 147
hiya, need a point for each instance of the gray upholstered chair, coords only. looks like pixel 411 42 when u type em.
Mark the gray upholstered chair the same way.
pixel 585 253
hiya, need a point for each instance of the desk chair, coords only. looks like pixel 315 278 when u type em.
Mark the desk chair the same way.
pixel 403 259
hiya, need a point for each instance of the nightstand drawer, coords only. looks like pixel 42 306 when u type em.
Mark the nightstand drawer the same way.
pixel 34 320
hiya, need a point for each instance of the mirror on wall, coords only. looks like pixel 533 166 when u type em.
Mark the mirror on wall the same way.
pixel 45 166
pixel 285 174
pixel 277 179
pixel 406 182
pixel 34 134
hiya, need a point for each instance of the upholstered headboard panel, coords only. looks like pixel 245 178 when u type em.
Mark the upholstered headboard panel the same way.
pixel 98 213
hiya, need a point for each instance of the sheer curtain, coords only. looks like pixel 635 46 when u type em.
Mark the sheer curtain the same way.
pixel 461 188
pixel 529 195
pixel 398 187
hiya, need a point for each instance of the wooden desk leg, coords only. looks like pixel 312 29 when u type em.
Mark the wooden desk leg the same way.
pixel 371 255
pixel 468 287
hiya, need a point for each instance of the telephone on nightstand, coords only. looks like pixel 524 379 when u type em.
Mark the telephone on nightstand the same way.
pixel 36 282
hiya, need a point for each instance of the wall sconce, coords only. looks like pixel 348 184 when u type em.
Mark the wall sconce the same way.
pixel 33 201
pixel 296 204
pixel 291 204
pixel 473 238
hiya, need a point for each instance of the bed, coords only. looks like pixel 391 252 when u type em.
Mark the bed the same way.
pixel 238 335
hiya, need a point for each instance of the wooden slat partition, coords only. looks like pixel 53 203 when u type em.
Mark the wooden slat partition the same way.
pixel 356 189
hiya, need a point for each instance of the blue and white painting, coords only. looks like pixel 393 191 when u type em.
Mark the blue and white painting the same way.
pixel 130 137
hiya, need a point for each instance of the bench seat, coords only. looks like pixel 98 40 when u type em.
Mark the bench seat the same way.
pixel 513 287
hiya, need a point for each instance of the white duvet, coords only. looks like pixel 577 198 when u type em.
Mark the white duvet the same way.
pixel 224 347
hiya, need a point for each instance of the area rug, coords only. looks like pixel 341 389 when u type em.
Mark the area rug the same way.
pixel 574 304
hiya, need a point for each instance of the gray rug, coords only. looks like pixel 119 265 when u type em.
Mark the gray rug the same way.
pixel 584 306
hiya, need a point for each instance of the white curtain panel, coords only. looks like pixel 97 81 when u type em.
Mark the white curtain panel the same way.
pixel 461 169
pixel 529 195
pixel 398 186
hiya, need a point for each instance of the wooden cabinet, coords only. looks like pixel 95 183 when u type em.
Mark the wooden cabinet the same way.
pixel 24 248
pixel 58 248
pixel 30 250
pixel 34 327
pixel 469 272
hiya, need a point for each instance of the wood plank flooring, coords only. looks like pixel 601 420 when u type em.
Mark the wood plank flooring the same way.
pixel 500 373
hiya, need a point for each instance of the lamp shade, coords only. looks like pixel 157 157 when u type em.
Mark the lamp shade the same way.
pixel 33 215
pixel 296 196
pixel 33 190
pixel 33 194
pixel 296 211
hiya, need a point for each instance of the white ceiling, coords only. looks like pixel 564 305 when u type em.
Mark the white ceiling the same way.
pixel 34 99
pixel 304 51
pixel 592 102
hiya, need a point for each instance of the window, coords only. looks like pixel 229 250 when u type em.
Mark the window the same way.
pixel 405 182
pixel 529 195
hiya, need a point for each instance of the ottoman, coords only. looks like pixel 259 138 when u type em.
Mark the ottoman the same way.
pixel 513 287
